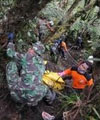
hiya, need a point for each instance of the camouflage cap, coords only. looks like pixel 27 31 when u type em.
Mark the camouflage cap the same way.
pixel 39 47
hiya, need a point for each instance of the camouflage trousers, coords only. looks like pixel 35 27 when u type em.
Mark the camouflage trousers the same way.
pixel 24 94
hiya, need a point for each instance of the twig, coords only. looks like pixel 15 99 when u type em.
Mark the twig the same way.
pixel 76 113
pixel 3 45
pixel 72 58
pixel 96 112
pixel 98 94
pixel 90 91
pixel 5 97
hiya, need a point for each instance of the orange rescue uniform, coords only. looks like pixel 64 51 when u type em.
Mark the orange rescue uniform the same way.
pixel 80 81
pixel 63 45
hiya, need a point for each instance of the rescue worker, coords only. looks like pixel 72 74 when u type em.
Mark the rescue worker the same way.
pixel 80 75
pixel 59 48
pixel 24 75
pixel 43 26
pixel 62 48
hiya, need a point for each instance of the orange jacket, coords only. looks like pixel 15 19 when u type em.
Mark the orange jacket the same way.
pixel 63 45
pixel 80 81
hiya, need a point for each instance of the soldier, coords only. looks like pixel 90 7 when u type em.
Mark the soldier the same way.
pixel 43 26
pixel 24 75
pixel 79 42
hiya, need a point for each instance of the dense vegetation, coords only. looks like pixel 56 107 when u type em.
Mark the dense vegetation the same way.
pixel 70 17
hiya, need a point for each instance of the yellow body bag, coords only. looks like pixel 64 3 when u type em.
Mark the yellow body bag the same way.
pixel 53 80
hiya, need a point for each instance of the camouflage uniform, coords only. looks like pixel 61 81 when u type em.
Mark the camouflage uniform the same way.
pixel 24 75
pixel 43 30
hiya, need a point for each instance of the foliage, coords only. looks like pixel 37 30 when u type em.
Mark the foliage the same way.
pixel 68 100
pixel 90 28
pixel 88 23
pixel 5 5
pixel 53 12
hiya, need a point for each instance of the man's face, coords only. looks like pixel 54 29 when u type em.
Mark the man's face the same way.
pixel 82 68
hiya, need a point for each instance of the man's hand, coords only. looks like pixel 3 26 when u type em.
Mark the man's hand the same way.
pixel 52 30
pixel 49 27
pixel 61 74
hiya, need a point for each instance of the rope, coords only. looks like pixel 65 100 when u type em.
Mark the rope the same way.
pixel 72 58
pixel 76 63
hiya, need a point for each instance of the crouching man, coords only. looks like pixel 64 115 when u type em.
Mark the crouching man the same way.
pixel 80 75
pixel 24 75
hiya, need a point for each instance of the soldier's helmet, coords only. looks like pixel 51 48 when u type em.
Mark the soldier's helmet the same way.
pixel 39 47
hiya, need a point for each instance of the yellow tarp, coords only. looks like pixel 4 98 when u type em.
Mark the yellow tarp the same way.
pixel 53 80
pixel 45 62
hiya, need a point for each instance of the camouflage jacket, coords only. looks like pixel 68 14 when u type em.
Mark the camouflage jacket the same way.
pixel 27 84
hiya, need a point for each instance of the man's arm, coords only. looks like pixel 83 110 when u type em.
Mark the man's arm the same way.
pixel 11 51
pixel 49 27
pixel 65 72
pixel 89 79
pixel 90 82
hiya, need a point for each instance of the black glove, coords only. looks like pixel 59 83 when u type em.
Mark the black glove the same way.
pixel 11 37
